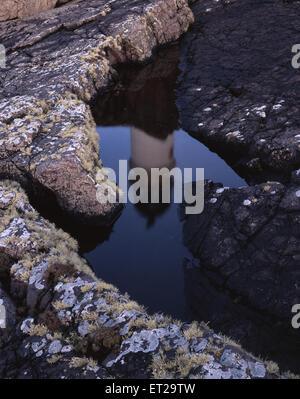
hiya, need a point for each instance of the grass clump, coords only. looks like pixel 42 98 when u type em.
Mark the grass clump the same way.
pixel 180 365
pixel 100 343
pixel 272 367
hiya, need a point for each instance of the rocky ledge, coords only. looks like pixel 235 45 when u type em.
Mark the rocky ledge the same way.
pixel 56 63
pixel 62 322
pixel 247 247
pixel 238 96
pixel 11 9
pixel 239 90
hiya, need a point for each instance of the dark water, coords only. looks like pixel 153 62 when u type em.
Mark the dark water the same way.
pixel 139 122
pixel 144 254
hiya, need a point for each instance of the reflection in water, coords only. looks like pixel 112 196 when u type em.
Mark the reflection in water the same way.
pixel 138 122
pixel 151 152
pixel 144 97
pixel 145 258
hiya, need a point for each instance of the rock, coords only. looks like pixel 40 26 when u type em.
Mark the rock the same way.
pixel 56 63
pixel 247 243
pixel 239 96
pixel 229 313
pixel 57 342
pixel 12 9
pixel 24 8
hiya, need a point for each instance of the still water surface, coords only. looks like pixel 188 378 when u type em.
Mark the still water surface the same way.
pixel 144 254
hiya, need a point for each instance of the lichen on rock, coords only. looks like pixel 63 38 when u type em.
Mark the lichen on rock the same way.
pixel 70 324
pixel 56 63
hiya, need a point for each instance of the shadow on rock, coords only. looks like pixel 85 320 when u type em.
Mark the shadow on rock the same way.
pixel 239 93
pixel 247 244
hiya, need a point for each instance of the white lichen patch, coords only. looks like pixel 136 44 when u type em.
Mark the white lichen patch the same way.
pixel 260 111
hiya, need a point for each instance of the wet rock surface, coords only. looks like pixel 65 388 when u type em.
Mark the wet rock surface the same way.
pixel 238 96
pixel 247 244
pixel 239 93
pixel 56 62
pixel 68 324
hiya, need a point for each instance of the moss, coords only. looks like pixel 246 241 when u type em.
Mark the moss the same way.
pixel 45 242
pixel 179 365
pixel 24 276
pixel 100 343
pixel 59 250
pixel 50 320
pixel 73 339
pixel 138 324
pixel 119 306
pixel 54 273
pixel 103 286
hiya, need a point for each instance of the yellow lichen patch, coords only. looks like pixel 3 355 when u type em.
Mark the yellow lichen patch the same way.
pixel 86 288
pixel 93 327
pixel 79 362
pixel 193 331
pixel 59 305
pixel 45 242
pixel 267 188
pixel 151 324
pixel 180 366
pixel 54 359
pixel 138 323
pixel 56 335
pixel 38 329
pixel 118 306
pixel 272 367
pixel 24 276
pixel 91 316
pixel 92 363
